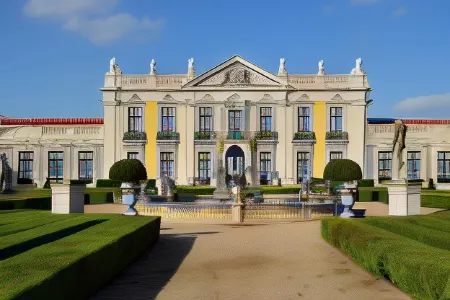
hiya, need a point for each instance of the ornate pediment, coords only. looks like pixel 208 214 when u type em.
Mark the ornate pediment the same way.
pixel 169 98
pixel 303 97
pixel 231 101
pixel 337 97
pixel 206 98
pixel 135 98
pixel 236 72
pixel 266 98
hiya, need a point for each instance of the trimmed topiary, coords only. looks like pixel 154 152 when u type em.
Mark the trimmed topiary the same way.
pixel 128 170
pixel 342 170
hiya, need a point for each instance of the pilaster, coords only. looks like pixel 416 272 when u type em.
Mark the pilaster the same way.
pixel 190 148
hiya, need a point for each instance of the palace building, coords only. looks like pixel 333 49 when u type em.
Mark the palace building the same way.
pixel 175 124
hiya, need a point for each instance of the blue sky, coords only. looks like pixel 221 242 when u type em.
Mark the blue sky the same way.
pixel 55 52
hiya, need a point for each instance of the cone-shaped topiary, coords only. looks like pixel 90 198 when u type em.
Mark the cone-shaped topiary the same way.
pixel 128 170
pixel 342 170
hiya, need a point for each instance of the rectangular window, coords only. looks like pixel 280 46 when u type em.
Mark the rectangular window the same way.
pixel 266 119
pixel 303 119
pixel 336 119
pixel 204 166
pixel 135 119
pixel 443 172
pixel 168 119
pixel 167 164
pixel 302 166
pixel 133 155
pixel 265 167
pixel 335 155
pixel 384 165
pixel 25 175
pixel 234 124
pixel 205 122
pixel 85 165
pixel 56 166
pixel 413 166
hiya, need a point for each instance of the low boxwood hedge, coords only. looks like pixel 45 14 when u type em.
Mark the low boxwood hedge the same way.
pixel 368 194
pixel 416 268
pixel 108 183
pixel 31 203
pixel 76 266
pixel 409 227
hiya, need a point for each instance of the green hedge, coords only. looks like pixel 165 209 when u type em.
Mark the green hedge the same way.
pixel 31 203
pixel 108 183
pixel 409 227
pixel 366 183
pixel 197 190
pixel 76 266
pixel 373 194
pixel 416 268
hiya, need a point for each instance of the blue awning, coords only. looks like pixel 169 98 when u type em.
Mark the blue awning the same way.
pixel 380 120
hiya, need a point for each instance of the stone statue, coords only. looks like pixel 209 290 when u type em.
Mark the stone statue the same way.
pixel 153 67
pixel 6 176
pixel 321 68
pixel 112 65
pixel 399 138
pixel 282 68
pixel 191 68
pixel 358 67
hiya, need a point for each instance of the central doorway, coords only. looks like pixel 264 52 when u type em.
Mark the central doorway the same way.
pixel 235 160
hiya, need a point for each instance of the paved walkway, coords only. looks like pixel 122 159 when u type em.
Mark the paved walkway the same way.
pixel 264 260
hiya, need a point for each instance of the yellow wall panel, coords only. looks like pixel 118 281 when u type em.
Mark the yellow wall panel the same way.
pixel 151 128
pixel 320 129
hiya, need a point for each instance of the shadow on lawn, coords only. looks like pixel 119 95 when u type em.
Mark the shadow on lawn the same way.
pixel 146 277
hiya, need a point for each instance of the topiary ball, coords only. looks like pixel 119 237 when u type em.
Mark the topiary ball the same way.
pixel 342 170
pixel 128 170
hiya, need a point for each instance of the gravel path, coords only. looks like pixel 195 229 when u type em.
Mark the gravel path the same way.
pixel 263 260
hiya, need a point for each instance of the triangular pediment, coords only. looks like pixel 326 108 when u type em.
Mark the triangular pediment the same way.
pixel 337 97
pixel 303 97
pixel 206 98
pixel 235 72
pixel 135 98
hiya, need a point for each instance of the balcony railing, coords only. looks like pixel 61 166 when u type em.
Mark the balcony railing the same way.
pixel 237 135
pixel 134 136
pixel 168 135
pixel 204 135
pixel 304 135
pixel 266 135
pixel 337 135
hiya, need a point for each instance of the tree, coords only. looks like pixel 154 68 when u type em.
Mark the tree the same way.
pixel 128 170
pixel 342 170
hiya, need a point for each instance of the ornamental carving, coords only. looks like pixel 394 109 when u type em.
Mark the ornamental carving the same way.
pixel 304 97
pixel 238 75
pixel 266 98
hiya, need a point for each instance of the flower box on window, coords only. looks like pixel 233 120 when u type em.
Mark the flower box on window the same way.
pixel 266 135
pixel 337 135
pixel 305 135
pixel 167 135
pixel 134 136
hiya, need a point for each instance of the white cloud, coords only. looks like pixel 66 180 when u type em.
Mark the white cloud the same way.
pixel 364 2
pixel 93 19
pixel 400 11
pixel 432 103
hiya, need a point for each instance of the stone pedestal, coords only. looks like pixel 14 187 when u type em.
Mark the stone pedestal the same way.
pixel 237 214
pixel 404 197
pixel 68 198
pixel 347 201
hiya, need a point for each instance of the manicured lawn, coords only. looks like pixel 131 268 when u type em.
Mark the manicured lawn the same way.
pixel 413 252
pixel 46 256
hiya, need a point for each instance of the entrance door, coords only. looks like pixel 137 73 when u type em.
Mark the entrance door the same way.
pixel 235 160
pixel 303 163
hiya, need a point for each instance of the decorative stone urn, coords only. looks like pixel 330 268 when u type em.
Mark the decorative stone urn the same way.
pixel 347 201
pixel 129 198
